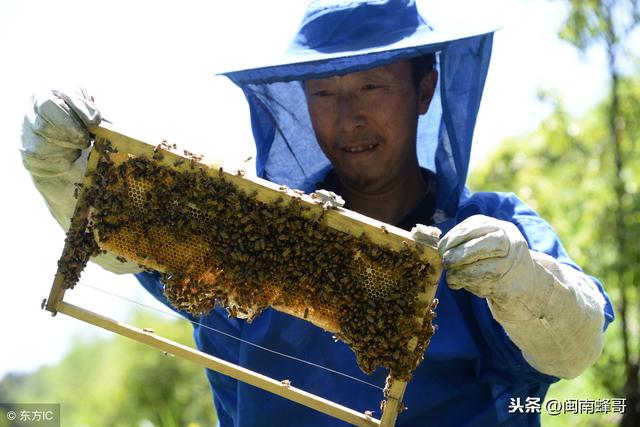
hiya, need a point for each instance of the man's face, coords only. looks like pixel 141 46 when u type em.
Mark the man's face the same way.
pixel 365 122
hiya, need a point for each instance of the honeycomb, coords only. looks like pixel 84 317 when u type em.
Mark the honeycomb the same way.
pixel 217 238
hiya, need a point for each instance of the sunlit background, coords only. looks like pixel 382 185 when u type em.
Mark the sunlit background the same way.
pixel 150 66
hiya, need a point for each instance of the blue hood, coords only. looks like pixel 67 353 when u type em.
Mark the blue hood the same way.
pixel 339 37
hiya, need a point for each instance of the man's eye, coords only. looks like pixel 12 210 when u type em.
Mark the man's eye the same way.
pixel 370 86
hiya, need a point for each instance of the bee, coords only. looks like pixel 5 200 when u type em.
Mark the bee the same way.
pixel 76 191
pixel 286 383
pixel 148 331
pixel 368 414
pixel 179 162
pixel 165 145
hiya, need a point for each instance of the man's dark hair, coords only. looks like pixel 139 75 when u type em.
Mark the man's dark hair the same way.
pixel 421 65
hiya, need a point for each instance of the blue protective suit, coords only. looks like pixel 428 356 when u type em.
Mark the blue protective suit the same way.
pixel 471 368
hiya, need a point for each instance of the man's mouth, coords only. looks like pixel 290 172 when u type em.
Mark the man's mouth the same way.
pixel 359 148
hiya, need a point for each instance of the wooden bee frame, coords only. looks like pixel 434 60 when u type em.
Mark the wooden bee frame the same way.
pixel 340 219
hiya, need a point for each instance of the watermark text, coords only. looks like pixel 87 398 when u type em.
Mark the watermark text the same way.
pixel 30 414
pixel 531 405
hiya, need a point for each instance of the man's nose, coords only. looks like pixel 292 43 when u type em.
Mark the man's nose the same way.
pixel 350 112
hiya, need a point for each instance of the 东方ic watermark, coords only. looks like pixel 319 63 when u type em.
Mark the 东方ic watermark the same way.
pixel 30 414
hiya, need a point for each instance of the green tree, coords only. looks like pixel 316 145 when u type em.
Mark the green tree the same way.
pixel 565 171
pixel 608 24
pixel 119 382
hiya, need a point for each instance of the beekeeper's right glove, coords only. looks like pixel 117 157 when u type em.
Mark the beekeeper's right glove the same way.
pixel 54 136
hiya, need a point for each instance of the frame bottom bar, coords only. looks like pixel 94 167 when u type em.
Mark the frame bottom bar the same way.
pixel 234 371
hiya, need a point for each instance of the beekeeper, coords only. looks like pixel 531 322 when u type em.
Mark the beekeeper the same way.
pixel 379 105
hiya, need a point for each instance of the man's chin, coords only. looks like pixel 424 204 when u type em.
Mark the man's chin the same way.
pixel 361 182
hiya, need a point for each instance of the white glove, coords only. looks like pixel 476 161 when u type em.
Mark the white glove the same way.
pixel 551 311
pixel 54 134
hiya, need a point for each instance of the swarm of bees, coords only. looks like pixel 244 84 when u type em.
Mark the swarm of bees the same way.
pixel 81 246
pixel 214 243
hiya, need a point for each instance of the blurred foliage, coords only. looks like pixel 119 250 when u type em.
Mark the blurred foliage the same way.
pixel 609 26
pixel 600 21
pixel 563 170
pixel 121 383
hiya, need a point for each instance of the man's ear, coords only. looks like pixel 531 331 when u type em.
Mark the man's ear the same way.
pixel 425 90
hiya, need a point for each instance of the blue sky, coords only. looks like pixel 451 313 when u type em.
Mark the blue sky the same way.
pixel 150 64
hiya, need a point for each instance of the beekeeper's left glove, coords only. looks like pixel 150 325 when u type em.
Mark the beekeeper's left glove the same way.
pixel 552 312
pixel 55 136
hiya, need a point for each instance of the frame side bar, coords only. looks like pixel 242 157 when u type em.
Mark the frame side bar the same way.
pixel 242 374
pixel 81 213
pixel 393 405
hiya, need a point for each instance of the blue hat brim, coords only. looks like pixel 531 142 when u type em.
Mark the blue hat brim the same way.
pixel 303 64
